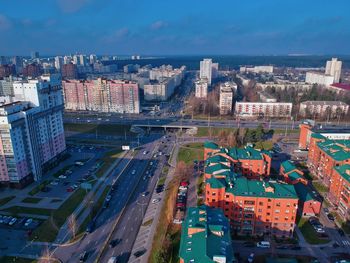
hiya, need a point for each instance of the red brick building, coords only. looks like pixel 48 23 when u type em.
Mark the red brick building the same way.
pixel 254 207
pixel 32 70
pixel 339 192
pixel 248 161
pixel 290 174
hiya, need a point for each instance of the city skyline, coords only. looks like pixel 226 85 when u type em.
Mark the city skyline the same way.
pixel 157 28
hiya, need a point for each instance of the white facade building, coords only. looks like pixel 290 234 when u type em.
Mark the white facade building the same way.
pixel 31 132
pixel 333 68
pixel 319 78
pixel 58 62
pixel 263 109
pixel 205 71
pixel 331 108
pixel 201 87
pixel 256 69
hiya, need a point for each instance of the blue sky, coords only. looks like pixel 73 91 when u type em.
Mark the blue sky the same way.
pixel 165 27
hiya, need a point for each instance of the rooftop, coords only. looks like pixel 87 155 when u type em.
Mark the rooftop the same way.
pixel 338 150
pixel 241 186
pixel 344 171
pixel 210 239
pixel 288 166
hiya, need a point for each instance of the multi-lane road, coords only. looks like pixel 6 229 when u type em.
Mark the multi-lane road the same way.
pixel 121 220
pixel 146 120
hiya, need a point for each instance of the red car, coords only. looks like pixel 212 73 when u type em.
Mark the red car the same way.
pixel 184 183
pixel 180 205
pixel 70 189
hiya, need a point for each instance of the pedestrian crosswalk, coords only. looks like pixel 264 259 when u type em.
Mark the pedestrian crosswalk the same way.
pixel 346 242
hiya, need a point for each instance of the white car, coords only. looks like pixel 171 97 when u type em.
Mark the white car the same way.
pixel 133 171
pixel 155 201
pixel 13 221
pixel 62 176
pixel 145 152
pixel 319 230
pixel 99 119
pixel 263 244
pixel 108 198
pixel 28 222
pixel 54 183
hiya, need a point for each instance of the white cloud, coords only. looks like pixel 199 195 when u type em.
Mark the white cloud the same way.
pixel 158 25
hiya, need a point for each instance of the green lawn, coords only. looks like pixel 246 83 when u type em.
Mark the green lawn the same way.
pixel 46 232
pixel 161 180
pixel 31 200
pixel 320 187
pixel 5 200
pixel 28 210
pixel 16 260
pixel 190 152
pixel 310 235
pixel 100 129
pixel 204 131
pixel 264 145
pixel 107 161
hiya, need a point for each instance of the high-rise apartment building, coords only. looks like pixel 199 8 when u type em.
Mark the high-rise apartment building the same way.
pixel 227 91
pixel 205 71
pixel 69 71
pixel 201 87
pixel 58 62
pixel 32 70
pixel 34 54
pixel 102 95
pixel 31 130
pixel 333 68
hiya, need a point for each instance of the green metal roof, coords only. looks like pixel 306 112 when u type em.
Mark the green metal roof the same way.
pixel 247 153
pixel 206 244
pixel 294 176
pixel 335 149
pixel 241 186
pixel 342 170
pixel 317 135
pixel 288 166
pixel 211 145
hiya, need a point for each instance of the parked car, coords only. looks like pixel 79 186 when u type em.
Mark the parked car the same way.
pixel 62 176
pixel 155 200
pixel 28 222
pixel 54 183
pixel 108 198
pixel 133 171
pixel 319 230
pixel 139 253
pixel 263 244
pixel 326 210
pixel 13 221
